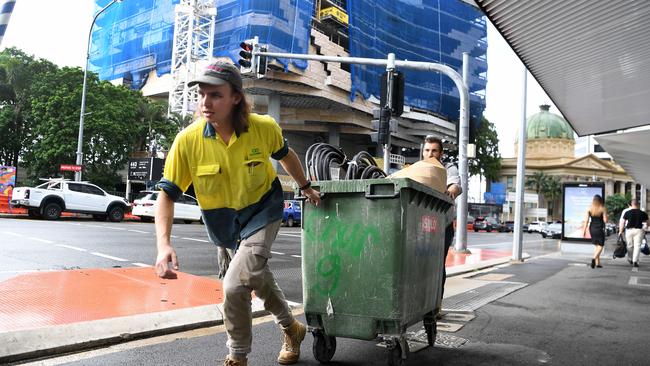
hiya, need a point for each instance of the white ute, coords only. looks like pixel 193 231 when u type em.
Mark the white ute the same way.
pixel 54 196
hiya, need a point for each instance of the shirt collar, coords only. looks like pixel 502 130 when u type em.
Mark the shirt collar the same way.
pixel 209 131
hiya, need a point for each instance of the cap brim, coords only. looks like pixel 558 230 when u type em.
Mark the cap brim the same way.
pixel 210 80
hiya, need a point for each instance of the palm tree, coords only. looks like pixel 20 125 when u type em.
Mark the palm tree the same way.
pixel 552 190
pixel 536 182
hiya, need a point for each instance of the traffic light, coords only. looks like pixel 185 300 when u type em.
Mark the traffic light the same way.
pixel 247 61
pixel 262 63
pixel 397 105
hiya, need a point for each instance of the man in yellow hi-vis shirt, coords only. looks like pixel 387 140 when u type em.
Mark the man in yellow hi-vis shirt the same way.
pixel 225 154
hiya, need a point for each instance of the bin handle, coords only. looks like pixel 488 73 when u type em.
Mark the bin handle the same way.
pixel 371 195
pixel 304 198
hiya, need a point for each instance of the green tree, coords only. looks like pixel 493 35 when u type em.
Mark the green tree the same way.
pixel 537 182
pixel 552 191
pixel 615 204
pixel 18 72
pixel 488 159
pixel 119 121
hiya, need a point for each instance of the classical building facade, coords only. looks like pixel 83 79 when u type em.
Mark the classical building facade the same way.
pixel 550 148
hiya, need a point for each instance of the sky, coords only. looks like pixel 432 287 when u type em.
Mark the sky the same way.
pixel 58 31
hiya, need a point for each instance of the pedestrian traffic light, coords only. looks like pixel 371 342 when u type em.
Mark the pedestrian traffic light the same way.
pixel 247 61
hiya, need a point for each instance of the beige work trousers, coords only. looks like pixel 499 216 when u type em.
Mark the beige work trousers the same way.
pixel 633 237
pixel 249 271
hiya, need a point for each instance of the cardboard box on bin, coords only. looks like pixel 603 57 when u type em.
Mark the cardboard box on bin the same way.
pixel 428 172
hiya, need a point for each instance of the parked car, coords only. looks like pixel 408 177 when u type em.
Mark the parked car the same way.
pixel 470 222
pixel 55 196
pixel 292 213
pixel 509 226
pixel 552 231
pixel 536 226
pixel 524 227
pixel 610 228
pixel 186 208
pixel 486 223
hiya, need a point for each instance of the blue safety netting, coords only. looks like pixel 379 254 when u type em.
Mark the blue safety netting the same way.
pixel 133 37
pixel 421 30
pixel 283 25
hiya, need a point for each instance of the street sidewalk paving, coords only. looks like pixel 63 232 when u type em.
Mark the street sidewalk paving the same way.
pixel 46 313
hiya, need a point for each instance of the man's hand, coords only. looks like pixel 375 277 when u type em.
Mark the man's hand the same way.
pixel 166 254
pixel 313 196
pixel 453 191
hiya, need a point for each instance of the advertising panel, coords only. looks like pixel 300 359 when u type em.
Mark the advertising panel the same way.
pixel 576 201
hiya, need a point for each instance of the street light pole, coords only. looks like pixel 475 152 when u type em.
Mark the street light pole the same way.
pixel 77 175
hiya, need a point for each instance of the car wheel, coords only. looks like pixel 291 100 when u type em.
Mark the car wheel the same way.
pixel 188 221
pixel 201 220
pixel 146 219
pixel 543 235
pixel 476 230
pixel 290 222
pixel 116 214
pixel 52 211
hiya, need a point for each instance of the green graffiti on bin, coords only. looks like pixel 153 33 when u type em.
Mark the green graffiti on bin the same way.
pixel 346 241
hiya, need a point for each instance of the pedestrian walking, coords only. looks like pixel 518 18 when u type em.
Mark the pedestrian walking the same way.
pixel 433 148
pixel 225 155
pixel 634 222
pixel 595 220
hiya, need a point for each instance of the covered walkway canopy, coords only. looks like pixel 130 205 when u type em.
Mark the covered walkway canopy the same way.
pixel 593 60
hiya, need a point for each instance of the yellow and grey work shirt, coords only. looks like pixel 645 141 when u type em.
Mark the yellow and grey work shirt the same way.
pixel 235 183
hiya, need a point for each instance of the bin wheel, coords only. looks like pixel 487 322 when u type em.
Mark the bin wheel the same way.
pixel 324 347
pixel 395 355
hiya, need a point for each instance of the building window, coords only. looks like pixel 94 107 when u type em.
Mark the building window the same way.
pixel 510 185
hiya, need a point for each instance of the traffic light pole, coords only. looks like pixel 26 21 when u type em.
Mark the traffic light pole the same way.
pixel 391 64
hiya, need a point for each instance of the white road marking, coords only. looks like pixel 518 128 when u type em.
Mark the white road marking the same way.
pixel 201 240
pixel 13 234
pixel 71 247
pixel 139 231
pixel 41 240
pixel 296 256
pixel 141 264
pixel 114 228
pixel 174 236
pixel 109 257
pixel 292 235
pixel 278 253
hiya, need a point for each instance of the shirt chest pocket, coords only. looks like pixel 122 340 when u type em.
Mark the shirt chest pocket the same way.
pixel 254 173
pixel 207 178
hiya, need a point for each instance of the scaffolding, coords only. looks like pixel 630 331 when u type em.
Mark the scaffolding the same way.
pixel 193 42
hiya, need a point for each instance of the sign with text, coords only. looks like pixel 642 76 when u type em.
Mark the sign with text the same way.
pixel 145 169
pixel 70 168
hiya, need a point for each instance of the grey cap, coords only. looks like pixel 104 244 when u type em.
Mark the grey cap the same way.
pixel 218 73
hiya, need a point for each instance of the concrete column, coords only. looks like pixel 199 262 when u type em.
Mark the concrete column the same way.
pixel 609 188
pixel 633 190
pixel 334 137
pixel 644 197
pixel 621 188
pixel 128 189
pixel 274 103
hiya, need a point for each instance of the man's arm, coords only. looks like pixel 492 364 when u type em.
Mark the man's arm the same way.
pixel 164 220
pixel 453 182
pixel 291 164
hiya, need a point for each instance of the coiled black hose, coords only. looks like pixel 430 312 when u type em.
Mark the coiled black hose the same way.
pixel 321 157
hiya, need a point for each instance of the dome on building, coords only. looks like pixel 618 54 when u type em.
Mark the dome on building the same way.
pixel 547 125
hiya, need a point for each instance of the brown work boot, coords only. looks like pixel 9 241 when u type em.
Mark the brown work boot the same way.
pixel 235 361
pixel 293 336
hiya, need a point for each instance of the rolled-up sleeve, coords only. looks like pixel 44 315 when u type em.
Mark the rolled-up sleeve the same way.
pixel 177 175
pixel 453 177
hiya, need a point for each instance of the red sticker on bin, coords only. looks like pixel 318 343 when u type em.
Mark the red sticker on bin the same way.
pixel 429 224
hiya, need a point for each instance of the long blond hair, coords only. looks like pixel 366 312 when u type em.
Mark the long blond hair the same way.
pixel 597 206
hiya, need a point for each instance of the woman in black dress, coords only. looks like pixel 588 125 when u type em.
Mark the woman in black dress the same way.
pixel 596 218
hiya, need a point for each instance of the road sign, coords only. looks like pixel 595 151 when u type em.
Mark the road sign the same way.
pixel 70 168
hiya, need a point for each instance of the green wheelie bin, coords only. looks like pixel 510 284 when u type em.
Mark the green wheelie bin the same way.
pixel 372 260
